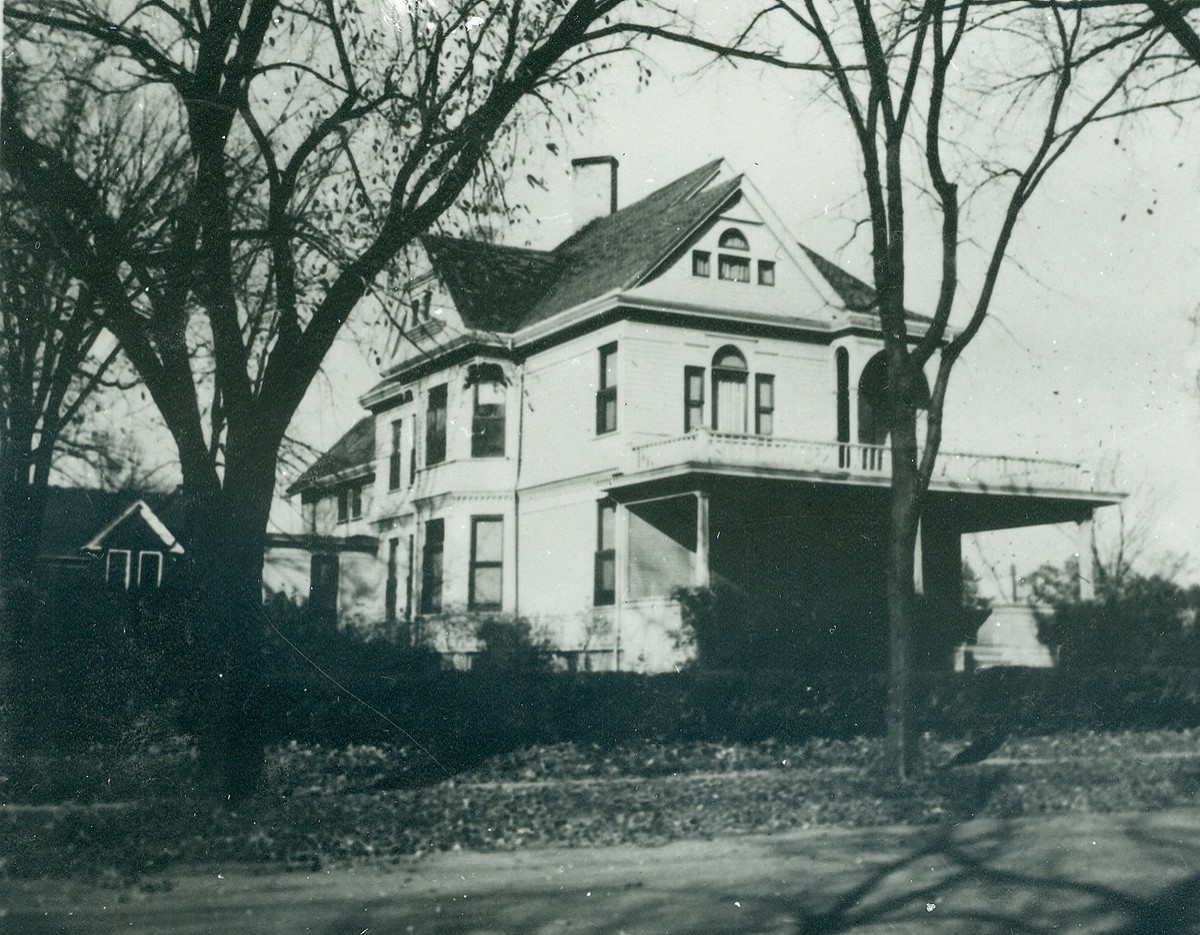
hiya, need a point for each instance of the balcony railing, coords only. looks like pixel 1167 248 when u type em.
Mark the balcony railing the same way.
pixel 853 461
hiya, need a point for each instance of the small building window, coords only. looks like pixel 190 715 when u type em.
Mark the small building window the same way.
pixel 734 268
pixel 435 426
pixel 356 502
pixel 487 563
pixel 394 473
pixel 431 567
pixel 701 263
pixel 116 568
pixel 764 404
pixel 606 395
pixel 343 505
pixel 733 239
pixel 693 398
pixel 149 570
pixel 487 421
pixel 605 586
pixel 766 272
pixel 323 587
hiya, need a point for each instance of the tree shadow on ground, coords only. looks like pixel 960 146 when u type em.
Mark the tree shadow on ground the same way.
pixel 986 877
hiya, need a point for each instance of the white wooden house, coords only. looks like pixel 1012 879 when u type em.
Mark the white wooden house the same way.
pixel 679 394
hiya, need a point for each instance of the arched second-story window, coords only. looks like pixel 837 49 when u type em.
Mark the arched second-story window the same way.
pixel 873 401
pixel 733 239
pixel 730 376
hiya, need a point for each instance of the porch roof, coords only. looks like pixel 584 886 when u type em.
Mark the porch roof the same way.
pixel 978 492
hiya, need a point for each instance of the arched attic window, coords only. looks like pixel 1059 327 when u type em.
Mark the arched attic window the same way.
pixel 730 377
pixel 733 239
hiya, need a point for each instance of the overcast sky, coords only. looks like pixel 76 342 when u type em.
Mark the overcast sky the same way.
pixel 1091 353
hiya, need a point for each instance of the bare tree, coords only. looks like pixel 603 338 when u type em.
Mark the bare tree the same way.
pixel 317 140
pixel 1041 73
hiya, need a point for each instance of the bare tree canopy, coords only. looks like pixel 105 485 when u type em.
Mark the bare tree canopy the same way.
pixel 277 158
pixel 959 111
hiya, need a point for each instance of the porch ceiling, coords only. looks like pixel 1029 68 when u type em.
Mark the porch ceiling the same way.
pixel 965 511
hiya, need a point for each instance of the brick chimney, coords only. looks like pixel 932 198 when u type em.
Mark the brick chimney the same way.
pixel 594 189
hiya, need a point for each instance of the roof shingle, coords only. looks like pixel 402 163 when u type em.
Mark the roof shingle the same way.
pixel 355 449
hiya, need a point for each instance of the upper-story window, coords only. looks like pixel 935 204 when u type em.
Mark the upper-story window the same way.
pixel 693 398
pixel 730 375
pixel 349 503
pixel 733 239
pixel 764 404
pixel 701 263
pixel 766 272
pixel 606 395
pixel 487 419
pixel 394 465
pixel 435 426
pixel 733 268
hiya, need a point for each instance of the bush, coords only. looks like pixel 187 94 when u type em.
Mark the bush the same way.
pixel 1146 621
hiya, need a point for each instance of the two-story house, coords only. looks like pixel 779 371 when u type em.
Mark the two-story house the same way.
pixel 679 394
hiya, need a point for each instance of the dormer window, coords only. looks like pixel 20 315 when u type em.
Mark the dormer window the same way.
pixel 733 239
pixel 766 272
pixel 701 263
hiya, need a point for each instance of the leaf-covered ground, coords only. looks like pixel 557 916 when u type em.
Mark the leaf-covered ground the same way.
pixel 384 804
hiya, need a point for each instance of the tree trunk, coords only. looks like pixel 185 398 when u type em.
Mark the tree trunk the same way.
pixel 226 539
pixel 904 516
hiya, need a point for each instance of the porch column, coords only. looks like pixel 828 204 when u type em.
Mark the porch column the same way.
pixel 701 573
pixel 1087 566
pixel 621 577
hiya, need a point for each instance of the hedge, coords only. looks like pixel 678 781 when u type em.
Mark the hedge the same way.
pixel 465 714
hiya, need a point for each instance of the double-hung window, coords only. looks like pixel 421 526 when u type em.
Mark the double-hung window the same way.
pixel 149 570
pixel 606 395
pixel 605 584
pixel 116 568
pixel 435 426
pixel 733 268
pixel 431 566
pixel 394 473
pixel 487 421
pixel 764 404
pixel 487 563
pixel 693 398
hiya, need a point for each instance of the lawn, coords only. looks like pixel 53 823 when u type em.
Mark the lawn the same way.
pixel 381 805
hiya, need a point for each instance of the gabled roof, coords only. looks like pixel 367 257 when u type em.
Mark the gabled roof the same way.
pixel 502 289
pixel 149 517
pixel 74 514
pixel 354 450
pixel 615 251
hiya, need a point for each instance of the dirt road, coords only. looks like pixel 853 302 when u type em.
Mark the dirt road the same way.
pixel 1091 873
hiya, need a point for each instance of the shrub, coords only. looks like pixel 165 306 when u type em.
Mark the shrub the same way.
pixel 1146 621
